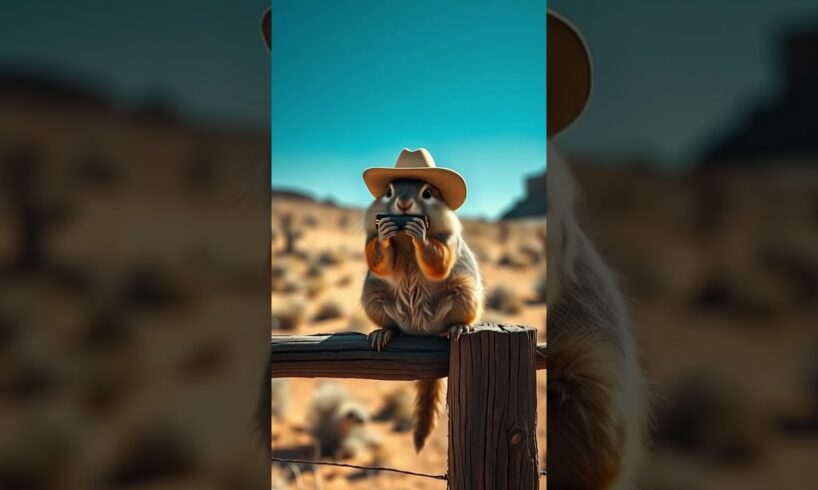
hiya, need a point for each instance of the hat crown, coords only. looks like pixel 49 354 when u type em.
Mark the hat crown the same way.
pixel 419 158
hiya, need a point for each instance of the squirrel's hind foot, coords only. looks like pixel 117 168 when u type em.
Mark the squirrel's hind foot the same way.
pixel 455 331
pixel 380 338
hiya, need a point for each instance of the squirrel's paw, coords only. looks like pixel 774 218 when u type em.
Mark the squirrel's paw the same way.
pixel 455 331
pixel 379 338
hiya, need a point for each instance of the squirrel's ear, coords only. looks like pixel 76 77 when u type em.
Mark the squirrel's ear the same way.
pixel 266 27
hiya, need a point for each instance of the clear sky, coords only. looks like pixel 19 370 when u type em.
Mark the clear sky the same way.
pixel 354 82
pixel 671 75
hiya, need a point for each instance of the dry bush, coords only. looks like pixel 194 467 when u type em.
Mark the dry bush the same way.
pixel 505 299
pixel 344 281
pixel 540 287
pixel 338 424
pixel 281 277
pixel 712 419
pixel 514 259
pixel 311 221
pixel 313 287
pixel 533 252
pixel 331 257
pixel 315 270
pixel 344 221
pixel 329 310
pixel 289 315
pixel 397 406
pixel 280 397
pixel 291 234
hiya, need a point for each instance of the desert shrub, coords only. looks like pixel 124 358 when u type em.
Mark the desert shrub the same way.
pixel 513 259
pixel 331 257
pixel 290 233
pixel 532 252
pixel 315 270
pixel 281 277
pixel 288 315
pixel 310 221
pixel 279 398
pixel 504 299
pixel 539 288
pixel 314 287
pixel 344 281
pixel 397 406
pixel 338 424
pixel 329 310
pixel 711 418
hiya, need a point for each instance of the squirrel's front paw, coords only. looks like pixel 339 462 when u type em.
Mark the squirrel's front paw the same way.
pixel 379 338
pixel 455 331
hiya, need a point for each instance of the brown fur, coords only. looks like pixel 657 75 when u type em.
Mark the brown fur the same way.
pixel 427 406
pixel 435 260
pixel 597 400
pixel 587 437
pixel 421 288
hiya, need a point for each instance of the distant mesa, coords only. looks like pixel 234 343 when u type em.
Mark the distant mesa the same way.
pixel 25 84
pixel 533 204
pixel 292 195
pixel 36 85
pixel 784 128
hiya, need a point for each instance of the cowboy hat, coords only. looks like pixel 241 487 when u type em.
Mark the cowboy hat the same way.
pixel 569 73
pixel 419 165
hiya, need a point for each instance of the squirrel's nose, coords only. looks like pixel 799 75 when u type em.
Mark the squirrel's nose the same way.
pixel 404 205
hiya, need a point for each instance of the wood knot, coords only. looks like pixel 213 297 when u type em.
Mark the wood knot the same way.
pixel 517 436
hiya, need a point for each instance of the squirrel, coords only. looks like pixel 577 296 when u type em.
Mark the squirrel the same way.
pixel 422 279
pixel 597 398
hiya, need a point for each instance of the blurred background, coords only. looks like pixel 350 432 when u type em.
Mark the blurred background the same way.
pixel 134 244
pixel 353 84
pixel 697 160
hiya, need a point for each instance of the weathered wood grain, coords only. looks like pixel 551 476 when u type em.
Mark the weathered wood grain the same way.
pixel 348 355
pixel 492 396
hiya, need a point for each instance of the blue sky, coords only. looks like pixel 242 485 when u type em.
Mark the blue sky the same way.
pixel 355 82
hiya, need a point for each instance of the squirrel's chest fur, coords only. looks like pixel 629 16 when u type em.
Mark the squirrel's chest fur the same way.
pixel 415 304
pixel 416 300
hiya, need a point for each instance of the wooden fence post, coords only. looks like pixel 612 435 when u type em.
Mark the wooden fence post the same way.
pixel 492 397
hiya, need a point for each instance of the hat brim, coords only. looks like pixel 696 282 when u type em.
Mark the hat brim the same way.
pixel 569 73
pixel 451 184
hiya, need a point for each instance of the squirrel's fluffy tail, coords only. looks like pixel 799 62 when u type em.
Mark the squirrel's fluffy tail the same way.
pixel 596 441
pixel 427 406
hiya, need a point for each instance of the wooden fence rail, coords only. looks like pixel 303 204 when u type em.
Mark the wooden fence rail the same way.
pixel 492 392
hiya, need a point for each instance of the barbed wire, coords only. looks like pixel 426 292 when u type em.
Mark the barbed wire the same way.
pixel 354 466
pixel 541 472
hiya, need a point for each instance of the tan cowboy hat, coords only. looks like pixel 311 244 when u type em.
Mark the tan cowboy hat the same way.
pixel 569 73
pixel 420 165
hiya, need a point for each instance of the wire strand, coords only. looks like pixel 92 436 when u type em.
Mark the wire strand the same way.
pixel 541 472
pixel 373 468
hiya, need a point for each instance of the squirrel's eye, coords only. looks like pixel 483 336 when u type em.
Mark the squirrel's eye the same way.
pixel 427 194
pixel 389 192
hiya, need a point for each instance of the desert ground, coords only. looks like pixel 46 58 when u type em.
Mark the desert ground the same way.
pixel 316 289
pixel 720 272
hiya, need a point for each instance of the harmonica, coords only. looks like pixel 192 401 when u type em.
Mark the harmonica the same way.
pixel 401 219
